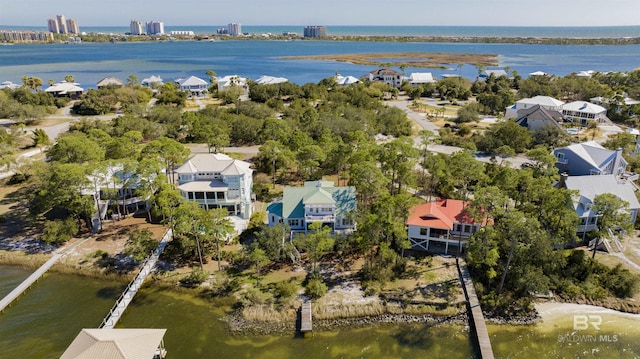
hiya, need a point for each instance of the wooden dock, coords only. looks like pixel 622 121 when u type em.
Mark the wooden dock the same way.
pixel 477 318
pixel 306 323
pixel 126 297
pixel 14 294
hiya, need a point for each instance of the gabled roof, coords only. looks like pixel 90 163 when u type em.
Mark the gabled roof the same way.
pixel 539 113
pixel 109 81
pixel 317 192
pixel 496 73
pixel 192 81
pixel 583 106
pixel 346 80
pixel 151 80
pixel 542 100
pixel 591 186
pixel 270 80
pixel 115 344
pixel 63 88
pixel 442 214
pixel 421 77
pixel 384 72
pixel 214 162
pixel 9 85
pixel 591 152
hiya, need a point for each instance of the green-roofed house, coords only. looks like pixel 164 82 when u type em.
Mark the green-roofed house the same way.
pixel 316 201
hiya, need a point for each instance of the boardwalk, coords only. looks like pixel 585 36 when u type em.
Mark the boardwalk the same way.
pixel 9 298
pixel 148 267
pixel 477 318
pixel 306 325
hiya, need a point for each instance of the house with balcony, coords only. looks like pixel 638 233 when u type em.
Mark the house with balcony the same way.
pixel 589 158
pixel 388 76
pixel 195 86
pixel 582 112
pixel 316 201
pixel 440 225
pixel 215 180
pixel 588 187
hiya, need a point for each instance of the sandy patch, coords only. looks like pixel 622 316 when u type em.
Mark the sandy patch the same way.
pixel 553 310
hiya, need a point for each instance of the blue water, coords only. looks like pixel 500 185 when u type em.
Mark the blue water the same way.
pixel 90 62
pixel 478 31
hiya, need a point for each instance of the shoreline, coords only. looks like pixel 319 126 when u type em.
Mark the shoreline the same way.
pixel 525 40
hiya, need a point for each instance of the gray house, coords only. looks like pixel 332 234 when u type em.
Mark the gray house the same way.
pixel 589 158
pixel 589 187
pixel 538 117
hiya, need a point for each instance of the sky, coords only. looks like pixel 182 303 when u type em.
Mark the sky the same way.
pixel 326 12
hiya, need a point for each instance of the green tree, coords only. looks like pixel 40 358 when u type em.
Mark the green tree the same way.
pixel 59 231
pixel 140 244
pixel 75 148
pixel 613 214
pixel 316 243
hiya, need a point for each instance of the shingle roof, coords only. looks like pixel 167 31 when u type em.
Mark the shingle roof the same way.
pixel 109 81
pixel 539 112
pixel 115 344
pixel 591 152
pixel 63 88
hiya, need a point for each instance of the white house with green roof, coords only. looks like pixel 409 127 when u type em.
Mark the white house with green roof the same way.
pixel 316 201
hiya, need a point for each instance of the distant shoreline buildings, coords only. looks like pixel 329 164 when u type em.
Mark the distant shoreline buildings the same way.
pixel 233 29
pixel 150 28
pixel 315 31
pixel 60 25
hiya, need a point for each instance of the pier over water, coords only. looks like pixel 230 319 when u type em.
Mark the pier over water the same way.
pixel 477 318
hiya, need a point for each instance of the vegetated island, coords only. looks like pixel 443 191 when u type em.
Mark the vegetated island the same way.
pixel 408 59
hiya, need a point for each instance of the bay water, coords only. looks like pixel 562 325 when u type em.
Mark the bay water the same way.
pixel 44 321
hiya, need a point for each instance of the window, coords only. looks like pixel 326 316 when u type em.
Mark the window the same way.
pixel 199 195
pixel 210 195
pixel 190 195
pixel 423 231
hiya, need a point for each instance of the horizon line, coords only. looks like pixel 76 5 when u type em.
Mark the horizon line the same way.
pixel 361 25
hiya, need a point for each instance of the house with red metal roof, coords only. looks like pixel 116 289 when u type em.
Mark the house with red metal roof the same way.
pixel 441 226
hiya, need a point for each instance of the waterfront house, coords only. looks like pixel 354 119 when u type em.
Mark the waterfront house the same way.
pixel 588 187
pixel 231 80
pixel 589 158
pixel 153 81
pixel 538 117
pixel 346 80
pixel 195 86
pixel 421 78
pixel 438 226
pixel 484 75
pixel 582 112
pixel 215 180
pixel 270 80
pixel 388 76
pixel 110 81
pixel 117 343
pixel 546 102
pixel 316 201
pixel 67 89
pixel 9 85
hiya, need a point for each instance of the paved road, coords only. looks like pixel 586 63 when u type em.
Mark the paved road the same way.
pixel 420 119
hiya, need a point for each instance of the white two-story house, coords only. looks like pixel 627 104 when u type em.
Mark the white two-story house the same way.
pixel 215 180
pixel 316 201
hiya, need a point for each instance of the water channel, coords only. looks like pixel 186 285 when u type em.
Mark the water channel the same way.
pixel 44 321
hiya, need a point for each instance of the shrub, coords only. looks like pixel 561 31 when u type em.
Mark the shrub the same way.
pixel 315 288
pixel 256 296
pixel 286 289
pixel 196 277
pixel 59 231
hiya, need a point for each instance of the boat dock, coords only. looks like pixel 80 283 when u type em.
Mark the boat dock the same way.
pixel 306 324
pixel 477 318
pixel 14 294
pixel 126 297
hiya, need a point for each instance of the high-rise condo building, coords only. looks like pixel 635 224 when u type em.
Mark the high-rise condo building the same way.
pixel 135 27
pixel 62 24
pixel 235 29
pixel 155 28
pixel 315 31
pixel 53 26
pixel 72 26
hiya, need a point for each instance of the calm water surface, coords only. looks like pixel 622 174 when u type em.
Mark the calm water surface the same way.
pixel 44 321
